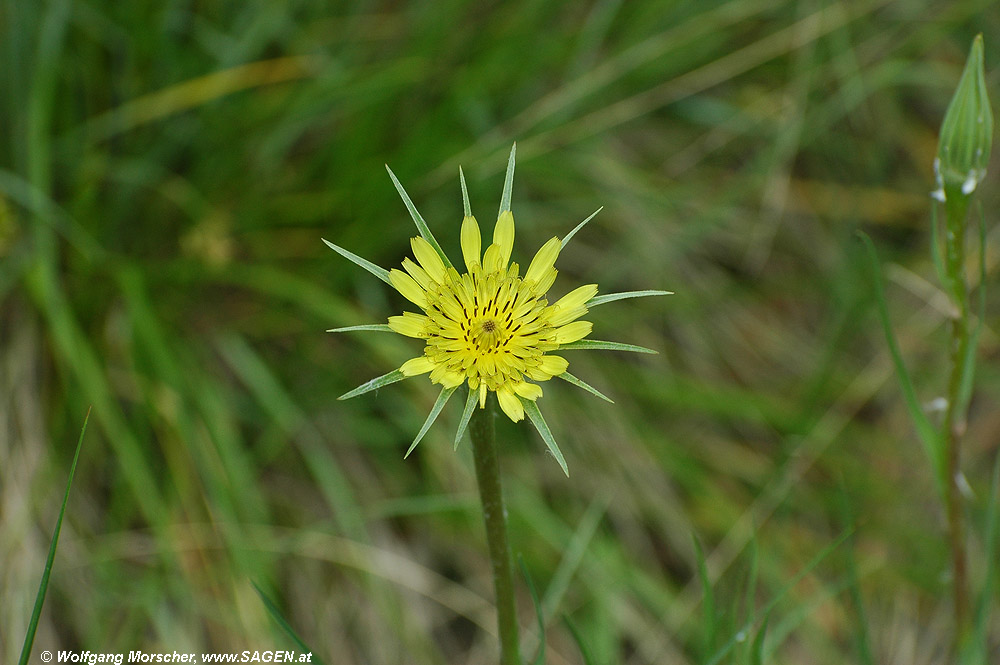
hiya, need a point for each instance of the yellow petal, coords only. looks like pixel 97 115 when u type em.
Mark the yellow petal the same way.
pixel 577 297
pixel 409 324
pixel 428 259
pixel 528 390
pixel 572 332
pixel 553 365
pixel 482 395
pixel 543 261
pixel 503 236
pixel 415 366
pixel 408 287
pixel 492 259
pixel 418 274
pixel 510 404
pixel 472 242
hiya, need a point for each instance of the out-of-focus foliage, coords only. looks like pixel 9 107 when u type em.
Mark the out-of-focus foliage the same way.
pixel 166 173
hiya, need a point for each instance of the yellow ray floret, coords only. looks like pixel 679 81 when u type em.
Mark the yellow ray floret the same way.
pixel 489 327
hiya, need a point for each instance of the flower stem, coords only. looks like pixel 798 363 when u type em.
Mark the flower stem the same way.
pixel 483 435
pixel 954 423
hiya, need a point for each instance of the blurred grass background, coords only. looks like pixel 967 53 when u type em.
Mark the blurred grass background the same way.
pixel 167 171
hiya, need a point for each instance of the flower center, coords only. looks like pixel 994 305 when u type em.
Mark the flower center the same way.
pixel 487 334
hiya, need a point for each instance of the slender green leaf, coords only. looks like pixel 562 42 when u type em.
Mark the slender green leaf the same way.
pixel 543 429
pixel 380 327
pixel 611 297
pixel 376 383
pixel 709 620
pixel 422 227
pixel 272 609
pixel 588 657
pixel 43 586
pixel 540 655
pixel 740 635
pixel 442 399
pixel 757 650
pixel 574 551
pixel 580 226
pixel 979 643
pixel 381 273
pixel 466 208
pixel 936 243
pixel 860 619
pixel 608 346
pixel 569 378
pixel 470 405
pixel 508 182
pixel 931 439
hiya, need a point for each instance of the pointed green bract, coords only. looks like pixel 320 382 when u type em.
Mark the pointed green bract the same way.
pixel 611 297
pixel 466 207
pixel 470 406
pixel 43 585
pixel 442 399
pixel 376 383
pixel 381 273
pixel 425 231
pixel 606 346
pixel 580 226
pixel 569 378
pixel 508 182
pixel 538 421
pixel 381 327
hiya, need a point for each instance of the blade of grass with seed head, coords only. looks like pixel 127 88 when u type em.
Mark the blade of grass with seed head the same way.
pixel 43 586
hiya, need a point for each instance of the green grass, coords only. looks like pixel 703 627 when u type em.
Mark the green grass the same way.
pixel 166 175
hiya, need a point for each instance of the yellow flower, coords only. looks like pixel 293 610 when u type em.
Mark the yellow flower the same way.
pixel 489 327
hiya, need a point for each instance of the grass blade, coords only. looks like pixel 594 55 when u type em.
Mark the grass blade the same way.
pixel 930 438
pixel 540 655
pixel 569 378
pixel 580 226
pixel 470 405
pixel 422 227
pixel 611 297
pixel 543 429
pixel 442 399
pixel 607 346
pixel 43 586
pixel 508 182
pixel 757 650
pixel 588 657
pixel 376 383
pixel 709 619
pixel 381 273
pixel 381 327
pixel 272 609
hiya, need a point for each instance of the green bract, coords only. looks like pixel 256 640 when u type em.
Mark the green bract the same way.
pixel 966 133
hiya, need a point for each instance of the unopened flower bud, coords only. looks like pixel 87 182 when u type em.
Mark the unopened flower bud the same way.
pixel 966 133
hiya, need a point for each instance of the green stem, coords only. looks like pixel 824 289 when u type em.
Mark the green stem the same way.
pixel 483 435
pixel 953 427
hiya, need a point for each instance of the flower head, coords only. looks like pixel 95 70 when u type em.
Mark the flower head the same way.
pixel 489 327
